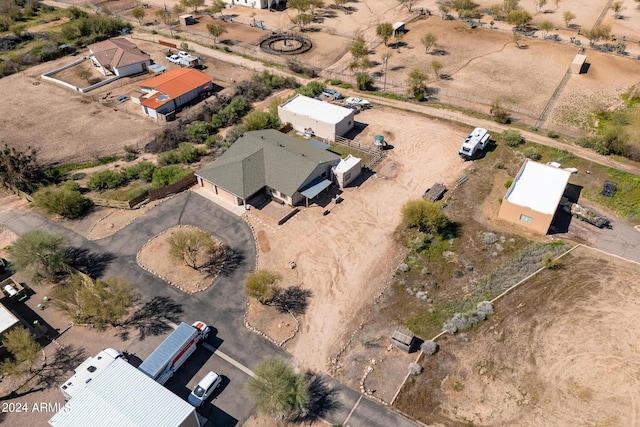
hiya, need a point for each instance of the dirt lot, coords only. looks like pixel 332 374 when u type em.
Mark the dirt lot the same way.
pixel 560 350
pixel 344 257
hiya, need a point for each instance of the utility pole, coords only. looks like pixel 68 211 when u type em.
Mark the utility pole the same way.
pixel 167 17
pixel 385 58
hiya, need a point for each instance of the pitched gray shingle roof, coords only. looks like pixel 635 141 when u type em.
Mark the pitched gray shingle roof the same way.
pixel 265 157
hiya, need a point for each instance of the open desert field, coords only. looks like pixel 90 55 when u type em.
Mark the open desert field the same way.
pixel 345 257
pixel 63 125
pixel 560 350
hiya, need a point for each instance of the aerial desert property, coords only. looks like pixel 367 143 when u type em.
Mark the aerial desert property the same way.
pixel 355 213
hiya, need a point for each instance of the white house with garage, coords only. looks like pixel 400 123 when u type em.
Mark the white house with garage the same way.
pixel 314 117
pixel 118 57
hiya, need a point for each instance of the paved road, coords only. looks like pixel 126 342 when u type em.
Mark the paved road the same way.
pixel 222 306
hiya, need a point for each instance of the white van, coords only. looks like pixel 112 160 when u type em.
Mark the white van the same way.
pixel 205 387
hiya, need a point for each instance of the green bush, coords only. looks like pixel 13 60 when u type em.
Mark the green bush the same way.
pixel 424 215
pixel 553 134
pixel 142 170
pixel 512 138
pixel 274 81
pixel 189 153
pixel 168 158
pixel 312 89
pixel 364 81
pixel 106 179
pixel 531 153
pixel 508 183
pixel 65 200
pixel 199 131
pixel 257 120
pixel 346 86
pixel 587 141
pixel 168 175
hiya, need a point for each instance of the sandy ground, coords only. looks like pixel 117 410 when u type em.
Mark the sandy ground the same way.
pixel 344 257
pixel 585 92
pixel 571 356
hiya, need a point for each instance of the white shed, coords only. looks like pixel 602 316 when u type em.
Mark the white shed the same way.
pixel 347 170
pixel 316 117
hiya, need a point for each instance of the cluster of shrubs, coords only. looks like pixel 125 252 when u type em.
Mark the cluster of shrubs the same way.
pixel 66 200
pixel 463 321
pixel 185 153
pixel 144 171
pixel 82 30
pixel 613 140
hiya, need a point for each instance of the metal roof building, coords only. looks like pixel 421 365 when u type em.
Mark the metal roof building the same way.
pixel 534 196
pixel 316 117
pixel 269 159
pixel 123 396
pixel 7 319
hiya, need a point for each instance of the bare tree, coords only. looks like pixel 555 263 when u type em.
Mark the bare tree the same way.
pixel 545 27
pixel 617 7
pixel 408 4
pixel 539 4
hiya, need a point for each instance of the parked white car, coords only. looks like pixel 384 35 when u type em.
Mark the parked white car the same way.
pixel 357 101
pixel 183 54
pixel 205 387
pixel 173 58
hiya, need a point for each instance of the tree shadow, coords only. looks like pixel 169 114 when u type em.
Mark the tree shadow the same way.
pixel 65 359
pixel 292 300
pixel 89 263
pixel 322 400
pixel 398 68
pixel 234 258
pixel 444 76
pixel 439 52
pixel 147 319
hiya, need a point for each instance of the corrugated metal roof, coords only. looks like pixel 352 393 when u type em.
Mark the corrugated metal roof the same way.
pixel 265 157
pixel 122 396
pixel 316 109
pixel 177 82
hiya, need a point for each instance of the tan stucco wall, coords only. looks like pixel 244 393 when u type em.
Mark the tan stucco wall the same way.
pixel 540 222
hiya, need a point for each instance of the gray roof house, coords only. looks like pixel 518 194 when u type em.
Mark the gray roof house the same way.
pixel 287 168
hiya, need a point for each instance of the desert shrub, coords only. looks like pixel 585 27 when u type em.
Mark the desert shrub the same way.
pixel 587 141
pixel 142 170
pixel 199 131
pixel 65 200
pixel 252 90
pixel 231 114
pixel 274 81
pixel 553 134
pixel 414 368
pixel 614 140
pixel 512 138
pixel 489 238
pixel 634 153
pixel 106 179
pixel 550 261
pixel 261 285
pixel 189 153
pixel 507 183
pixel 403 267
pixel 257 120
pixel 459 322
pixel 364 81
pixel 429 347
pixel 234 133
pixel 213 141
pixel 166 140
pixel 424 215
pixel 532 153
pixel 299 68
pixel 498 112
pixel 168 158
pixel 485 307
pixel 312 89
pixel 168 175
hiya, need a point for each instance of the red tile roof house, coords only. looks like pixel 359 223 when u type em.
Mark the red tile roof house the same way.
pixel 118 57
pixel 170 91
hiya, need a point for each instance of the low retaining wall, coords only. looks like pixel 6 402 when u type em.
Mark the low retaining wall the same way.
pixel 47 76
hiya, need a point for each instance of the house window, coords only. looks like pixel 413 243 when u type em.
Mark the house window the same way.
pixel 525 218
pixel 347 176
pixel 283 196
